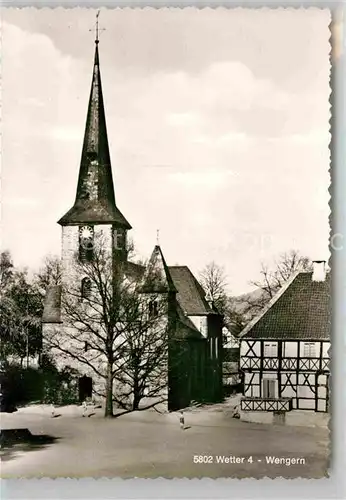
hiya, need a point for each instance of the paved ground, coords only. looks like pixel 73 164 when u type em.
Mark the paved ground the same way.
pixel 147 444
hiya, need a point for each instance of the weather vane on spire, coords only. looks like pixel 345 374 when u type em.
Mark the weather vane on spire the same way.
pixel 158 237
pixel 97 29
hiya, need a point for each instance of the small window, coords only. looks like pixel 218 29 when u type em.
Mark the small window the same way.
pixel 309 350
pixel 85 288
pixel 119 239
pixel 153 309
pixel 86 346
pixel 270 350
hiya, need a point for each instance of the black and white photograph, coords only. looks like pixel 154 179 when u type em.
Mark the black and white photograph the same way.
pixel 165 242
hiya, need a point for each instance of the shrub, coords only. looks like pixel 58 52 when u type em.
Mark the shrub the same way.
pixel 46 384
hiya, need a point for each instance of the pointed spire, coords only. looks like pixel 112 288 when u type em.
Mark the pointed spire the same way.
pixel 157 277
pixel 95 200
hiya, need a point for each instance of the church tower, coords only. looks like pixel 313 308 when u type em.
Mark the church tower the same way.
pixel 95 210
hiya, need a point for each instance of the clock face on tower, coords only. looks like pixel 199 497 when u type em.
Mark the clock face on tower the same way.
pixel 86 232
pixel 86 243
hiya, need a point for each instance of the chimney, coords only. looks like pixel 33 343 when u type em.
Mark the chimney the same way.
pixel 209 299
pixel 319 270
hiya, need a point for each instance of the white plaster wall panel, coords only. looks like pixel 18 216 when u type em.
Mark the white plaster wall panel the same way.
pixel 255 391
pixel 321 405
pixel 322 392
pixel 290 349
pixel 288 392
pixel 201 324
pixel 254 351
pixel 307 404
pixel 304 391
pixel 325 349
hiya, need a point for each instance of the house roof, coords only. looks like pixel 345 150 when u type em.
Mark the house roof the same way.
pixel 300 310
pixel 52 305
pixel 190 295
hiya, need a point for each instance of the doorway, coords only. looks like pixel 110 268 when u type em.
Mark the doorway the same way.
pixel 85 388
pixel 269 388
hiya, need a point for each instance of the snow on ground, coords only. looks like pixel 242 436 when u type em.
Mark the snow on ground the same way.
pixel 149 444
pixel 196 413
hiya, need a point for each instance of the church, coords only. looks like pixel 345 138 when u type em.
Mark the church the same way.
pixel 196 326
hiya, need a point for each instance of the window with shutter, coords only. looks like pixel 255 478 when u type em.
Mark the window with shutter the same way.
pixel 119 238
pixel 309 350
pixel 270 349
pixel 85 288
pixel 153 309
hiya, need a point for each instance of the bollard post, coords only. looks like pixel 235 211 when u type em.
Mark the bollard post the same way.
pixel 182 420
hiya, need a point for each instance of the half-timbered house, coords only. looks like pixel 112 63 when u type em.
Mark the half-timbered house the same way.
pixel 284 350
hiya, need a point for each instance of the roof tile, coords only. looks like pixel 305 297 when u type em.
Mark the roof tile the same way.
pixel 302 311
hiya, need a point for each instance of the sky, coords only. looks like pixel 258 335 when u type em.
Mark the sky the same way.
pixel 218 124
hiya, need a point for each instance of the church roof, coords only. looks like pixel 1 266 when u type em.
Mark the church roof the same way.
pixel 300 310
pixel 191 295
pixel 95 199
pixel 157 276
pixel 94 212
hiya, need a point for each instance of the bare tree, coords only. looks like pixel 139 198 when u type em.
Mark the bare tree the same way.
pixel 49 273
pixel 144 354
pixel 214 283
pixel 108 329
pixel 272 279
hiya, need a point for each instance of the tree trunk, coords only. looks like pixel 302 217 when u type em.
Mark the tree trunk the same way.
pixel 136 401
pixel 136 396
pixel 109 391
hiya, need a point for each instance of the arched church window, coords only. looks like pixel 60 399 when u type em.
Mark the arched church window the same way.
pixel 86 243
pixel 153 309
pixel 85 288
